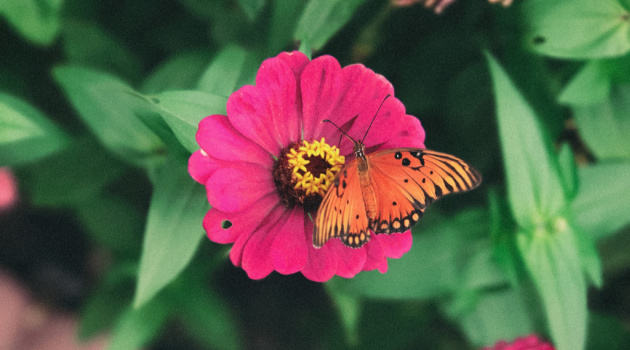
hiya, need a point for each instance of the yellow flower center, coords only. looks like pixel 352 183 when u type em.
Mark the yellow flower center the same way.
pixel 304 172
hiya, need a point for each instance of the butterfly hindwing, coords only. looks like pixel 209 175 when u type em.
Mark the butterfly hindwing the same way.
pixel 407 180
pixel 342 211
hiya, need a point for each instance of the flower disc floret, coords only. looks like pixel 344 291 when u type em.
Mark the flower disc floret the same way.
pixel 304 172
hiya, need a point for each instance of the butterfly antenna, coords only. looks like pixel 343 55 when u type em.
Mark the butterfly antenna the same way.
pixel 375 114
pixel 338 128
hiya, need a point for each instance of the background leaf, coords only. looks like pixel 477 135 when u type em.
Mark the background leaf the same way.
pixel 25 133
pixel 578 28
pixel 602 204
pixel 183 110
pixel 533 180
pixel 173 230
pixel 230 69
pixel 37 20
pixel 322 19
pixel 107 106
pixel 137 326
pixel 552 259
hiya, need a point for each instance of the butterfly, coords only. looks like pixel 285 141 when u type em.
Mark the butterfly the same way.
pixel 387 191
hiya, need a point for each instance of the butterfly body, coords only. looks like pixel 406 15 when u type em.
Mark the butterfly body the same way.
pixel 387 191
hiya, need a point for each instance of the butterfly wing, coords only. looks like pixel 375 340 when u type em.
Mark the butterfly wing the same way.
pixel 342 211
pixel 407 180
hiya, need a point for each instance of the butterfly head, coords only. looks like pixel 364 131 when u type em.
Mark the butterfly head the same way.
pixel 359 149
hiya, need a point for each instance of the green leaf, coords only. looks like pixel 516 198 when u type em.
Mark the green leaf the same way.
pixel 568 170
pixel 25 133
pixel 502 234
pixel 283 24
pixel 349 310
pixel 104 306
pixel 138 326
pixel 206 314
pixel 87 44
pixel 605 126
pixel 183 110
pixel 230 69
pixel 552 259
pixel 252 7
pixel 433 267
pixel 181 72
pixel 590 85
pixel 535 191
pixel 496 315
pixel 108 106
pixel 578 28
pixel 72 177
pixel 37 20
pixel 602 204
pixel 321 19
pixel 591 262
pixel 173 232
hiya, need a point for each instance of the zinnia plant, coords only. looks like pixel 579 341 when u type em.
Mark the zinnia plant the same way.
pixel 267 164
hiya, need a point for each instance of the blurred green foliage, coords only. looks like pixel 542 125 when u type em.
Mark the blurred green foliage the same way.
pixel 99 103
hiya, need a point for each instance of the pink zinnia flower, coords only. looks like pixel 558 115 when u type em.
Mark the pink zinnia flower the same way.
pixel 530 342
pixel 267 164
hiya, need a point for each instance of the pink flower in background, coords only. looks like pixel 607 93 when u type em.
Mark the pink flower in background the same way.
pixel 9 194
pixel 530 342
pixel 267 164
pixel 440 5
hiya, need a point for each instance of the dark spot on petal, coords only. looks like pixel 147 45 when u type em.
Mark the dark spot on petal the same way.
pixel 225 224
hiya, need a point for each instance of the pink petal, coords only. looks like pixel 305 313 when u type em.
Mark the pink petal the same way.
pixel 268 113
pixel 289 251
pixel 296 61
pixel 256 252
pixel 338 94
pixel 333 258
pixel 201 167
pixel 218 138
pixel 375 254
pixel 412 135
pixel 243 222
pixel 235 189
pixel 397 244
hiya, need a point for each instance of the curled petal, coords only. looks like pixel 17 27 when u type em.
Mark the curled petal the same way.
pixel 218 138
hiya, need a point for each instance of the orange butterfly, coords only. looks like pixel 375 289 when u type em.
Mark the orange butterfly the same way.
pixel 387 191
